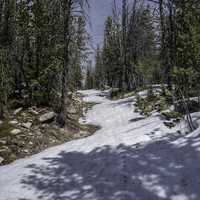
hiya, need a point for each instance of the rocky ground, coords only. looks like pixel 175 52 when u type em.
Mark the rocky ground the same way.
pixel 29 131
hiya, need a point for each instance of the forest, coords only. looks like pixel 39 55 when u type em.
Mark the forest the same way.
pixel 43 47
pixel 45 52
pixel 148 43
pixel 111 116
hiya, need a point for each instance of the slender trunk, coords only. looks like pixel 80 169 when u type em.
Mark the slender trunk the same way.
pixel 1 110
pixel 1 93
pixel 37 59
pixel 187 112
pixel 62 118
pixel 164 54
pixel 171 46
pixel 124 44
pixel 13 49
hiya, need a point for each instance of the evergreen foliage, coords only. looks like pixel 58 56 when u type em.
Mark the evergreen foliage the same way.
pixel 42 48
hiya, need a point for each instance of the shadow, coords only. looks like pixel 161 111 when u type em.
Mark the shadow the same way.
pixel 23 199
pixel 196 120
pixel 139 127
pixel 136 119
pixel 161 170
pixel 127 102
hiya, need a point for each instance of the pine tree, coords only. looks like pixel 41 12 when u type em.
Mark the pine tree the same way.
pixel 35 57
pixel 7 38
pixel 79 49
pixel 99 71
pixel 89 82
pixel 127 47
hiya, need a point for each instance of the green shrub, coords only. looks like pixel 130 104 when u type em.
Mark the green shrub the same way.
pixel 153 102
pixel 171 115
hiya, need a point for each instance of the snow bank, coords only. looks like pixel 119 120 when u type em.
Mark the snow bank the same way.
pixel 125 159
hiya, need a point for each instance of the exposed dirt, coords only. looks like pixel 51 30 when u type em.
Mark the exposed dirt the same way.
pixel 39 136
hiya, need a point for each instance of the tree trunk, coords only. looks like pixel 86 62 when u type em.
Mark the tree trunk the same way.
pixel 124 44
pixel 187 112
pixel 62 117
pixel 164 54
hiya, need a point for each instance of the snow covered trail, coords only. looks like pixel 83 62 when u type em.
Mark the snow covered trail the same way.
pixel 129 158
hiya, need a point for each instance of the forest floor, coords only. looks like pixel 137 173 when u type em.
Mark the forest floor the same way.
pixel 131 157
pixel 30 130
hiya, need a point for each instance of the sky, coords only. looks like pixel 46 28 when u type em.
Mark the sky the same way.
pixel 98 12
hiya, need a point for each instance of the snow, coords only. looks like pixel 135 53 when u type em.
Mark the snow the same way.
pixel 124 160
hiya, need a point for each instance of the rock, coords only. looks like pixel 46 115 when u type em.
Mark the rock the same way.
pixel 70 94
pixel 26 151
pixel 72 110
pixel 30 134
pixel 17 111
pixel 20 143
pixel 62 131
pixel 12 157
pixel 25 115
pixel 169 124
pixel 1 159
pixel 179 132
pixel 47 117
pixel 1 122
pixel 74 116
pixel 77 136
pixel 5 151
pixel 13 122
pixel 55 127
pixel 177 120
pixel 34 112
pixel 44 126
pixel 27 125
pixel 3 142
pixel 106 87
pixel 114 92
pixel 15 131
pixel 83 133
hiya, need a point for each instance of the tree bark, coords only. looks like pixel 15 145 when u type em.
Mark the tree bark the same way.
pixel 62 117
pixel 124 44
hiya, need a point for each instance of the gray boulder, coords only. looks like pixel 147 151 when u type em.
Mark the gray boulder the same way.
pixel 27 125
pixel 15 131
pixel 169 124
pixel 17 111
pixel 33 112
pixel 72 110
pixel 3 141
pixel 47 117
pixel 13 122
pixel 1 159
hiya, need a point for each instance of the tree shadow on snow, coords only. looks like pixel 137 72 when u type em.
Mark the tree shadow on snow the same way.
pixel 126 102
pixel 158 171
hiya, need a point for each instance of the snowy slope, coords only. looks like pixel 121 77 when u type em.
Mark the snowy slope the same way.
pixel 124 160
